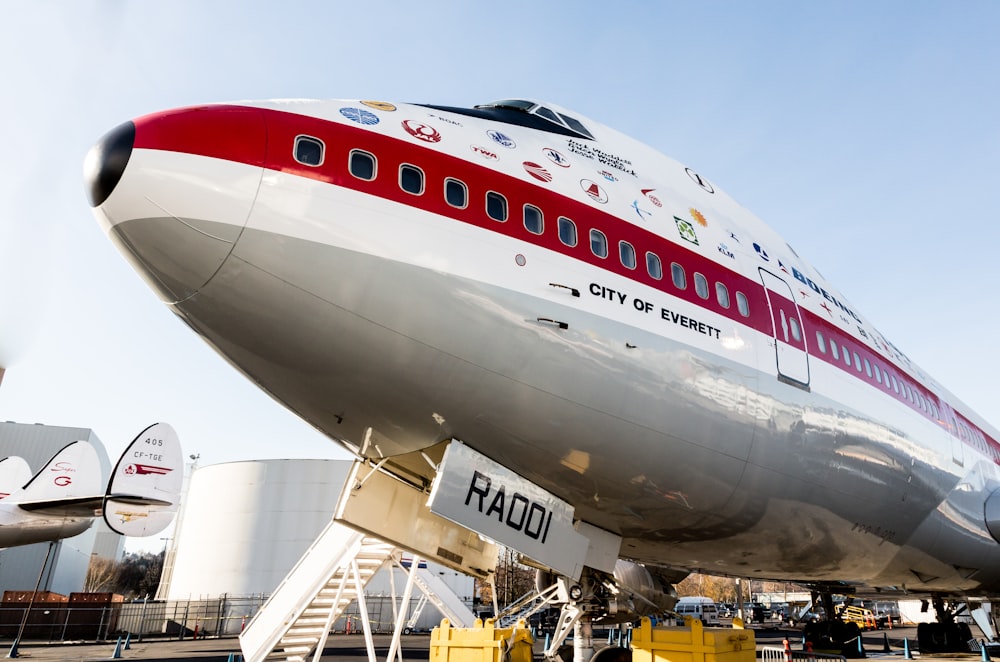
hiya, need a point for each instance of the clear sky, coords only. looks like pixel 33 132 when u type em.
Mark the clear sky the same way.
pixel 866 133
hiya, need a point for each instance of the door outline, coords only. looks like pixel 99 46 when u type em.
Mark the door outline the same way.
pixel 791 356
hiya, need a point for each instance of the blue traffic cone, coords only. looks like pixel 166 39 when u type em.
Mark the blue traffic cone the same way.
pixel 885 643
pixel 907 655
pixel 861 647
pixel 128 641
pixel 13 648
pixel 118 649
pixel 986 653
pixel 611 636
pixel 546 641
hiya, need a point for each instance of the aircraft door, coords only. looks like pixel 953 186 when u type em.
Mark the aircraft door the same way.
pixel 790 348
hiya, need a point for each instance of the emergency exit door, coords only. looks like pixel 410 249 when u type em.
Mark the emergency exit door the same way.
pixel 791 353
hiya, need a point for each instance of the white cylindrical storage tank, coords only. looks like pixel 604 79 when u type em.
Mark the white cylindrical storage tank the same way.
pixel 244 525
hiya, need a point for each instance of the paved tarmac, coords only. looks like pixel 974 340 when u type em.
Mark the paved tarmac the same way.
pixel 351 648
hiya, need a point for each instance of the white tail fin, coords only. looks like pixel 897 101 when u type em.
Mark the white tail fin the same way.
pixel 145 486
pixel 14 473
pixel 72 473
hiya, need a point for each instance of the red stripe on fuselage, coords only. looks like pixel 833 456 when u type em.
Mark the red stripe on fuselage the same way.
pixel 237 133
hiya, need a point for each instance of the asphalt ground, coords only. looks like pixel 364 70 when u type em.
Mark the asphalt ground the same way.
pixel 351 648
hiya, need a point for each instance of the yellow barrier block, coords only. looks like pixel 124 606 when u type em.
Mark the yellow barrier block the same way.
pixel 692 643
pixel 481 643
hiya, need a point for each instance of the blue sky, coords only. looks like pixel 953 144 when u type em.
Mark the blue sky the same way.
pixel 864 132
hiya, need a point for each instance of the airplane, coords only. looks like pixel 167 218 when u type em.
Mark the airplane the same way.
pixel 568 340
pixel 68 494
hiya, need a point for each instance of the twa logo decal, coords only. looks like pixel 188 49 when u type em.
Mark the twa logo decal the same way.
pixel 143 469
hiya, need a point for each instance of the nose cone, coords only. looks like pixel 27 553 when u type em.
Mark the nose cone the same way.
pixel 106 161
pixel 173 191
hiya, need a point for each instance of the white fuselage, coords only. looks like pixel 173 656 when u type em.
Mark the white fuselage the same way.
pixel 713 426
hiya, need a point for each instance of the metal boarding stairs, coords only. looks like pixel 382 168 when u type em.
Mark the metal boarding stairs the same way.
pixel 296 619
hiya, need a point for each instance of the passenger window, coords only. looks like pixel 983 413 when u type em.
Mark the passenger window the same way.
pixel 868 368
pixel 895 384
pixel 598 243
pixel 793 324
pixel 700 285
pixel 455 193
pixel 496 206
pixel 678 276
pixel 821 342
pixel 627 254
pixel 847 357
pixel 653 266
pixel 742 304
pixel 722 295
pixel 309 151
pixel 533 219
pixel 857 363
pixel 411 179
pixel 878 373
pixel 834 349
pixel 362 165
pixel 567 231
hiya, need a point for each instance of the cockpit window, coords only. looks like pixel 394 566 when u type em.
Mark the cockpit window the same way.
pixel 521 112
pixel 539 110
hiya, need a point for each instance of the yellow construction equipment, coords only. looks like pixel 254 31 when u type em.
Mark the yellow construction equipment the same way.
pixel 862 617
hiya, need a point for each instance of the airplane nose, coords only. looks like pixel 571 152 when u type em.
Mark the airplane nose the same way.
pixel 173 191
pixel 106 161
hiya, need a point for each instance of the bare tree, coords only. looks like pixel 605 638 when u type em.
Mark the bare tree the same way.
pixel 102 575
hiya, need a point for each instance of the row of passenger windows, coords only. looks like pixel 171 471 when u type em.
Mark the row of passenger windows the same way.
pixel 363 165
pixel 877 372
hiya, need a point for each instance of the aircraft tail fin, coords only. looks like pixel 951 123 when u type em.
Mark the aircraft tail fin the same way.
pixel 144 490
pixel 14 473
pixel 72 473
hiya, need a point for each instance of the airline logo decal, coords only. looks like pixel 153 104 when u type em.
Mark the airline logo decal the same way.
pixel 602 157
pixel 143 469
pixel 537 171
pixel 556 157
pixel 686 230
pixel 639 210
pixel 648 192
pixel 422 131
pixel 501 139
pixel 487 154
pixel 62 481
pixel 608 176
pixel 699 180
pixel 725 251
pixel 380 105
pixel 360 116
pixel 446 120
pixel 761 252
pixel 63 467
pixel 595 192
pixel 699 218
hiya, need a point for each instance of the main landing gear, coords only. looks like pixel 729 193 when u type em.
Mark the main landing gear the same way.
pixel 832 634
pixel 945 636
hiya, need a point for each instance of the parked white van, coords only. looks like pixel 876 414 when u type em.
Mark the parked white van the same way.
pixel 702 608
